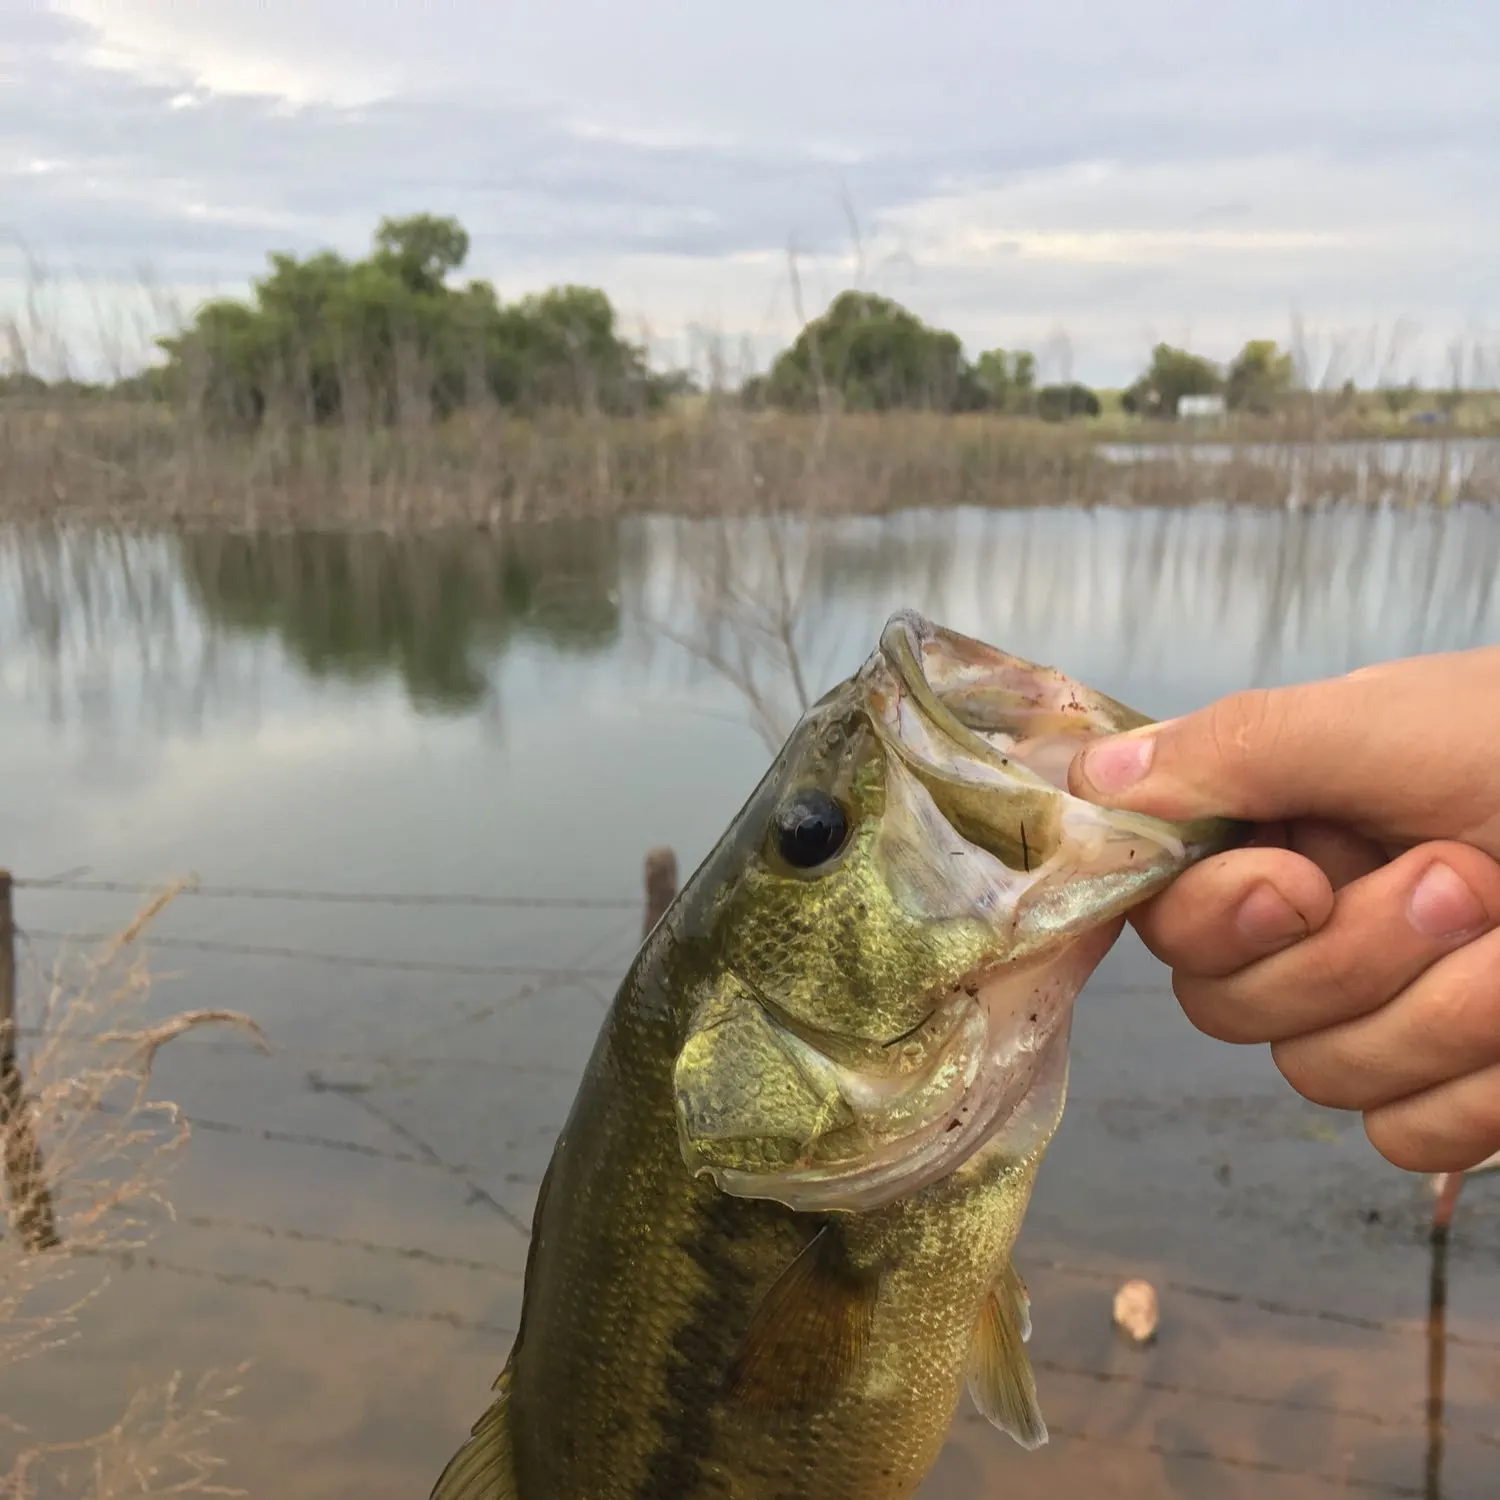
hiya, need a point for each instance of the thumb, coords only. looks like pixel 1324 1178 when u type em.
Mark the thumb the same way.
pixel 1261 756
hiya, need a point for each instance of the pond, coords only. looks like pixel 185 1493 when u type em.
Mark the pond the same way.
pixel 452 733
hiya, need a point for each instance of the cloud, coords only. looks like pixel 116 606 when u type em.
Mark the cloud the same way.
pixel 1011 170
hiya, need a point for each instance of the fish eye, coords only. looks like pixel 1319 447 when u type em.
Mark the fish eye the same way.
pixel 810 828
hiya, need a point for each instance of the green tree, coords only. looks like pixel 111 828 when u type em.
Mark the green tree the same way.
pixel 1171 375
pixel 868 353
pixel 560 348
pixel 1398 398
pixel 421 250
pixel 1008 380
pixel 1057 403
pixel 1260 378
pixel 1023 377
pixel 388 339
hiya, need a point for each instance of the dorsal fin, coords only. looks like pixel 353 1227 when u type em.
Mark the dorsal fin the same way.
pixel 1000 1375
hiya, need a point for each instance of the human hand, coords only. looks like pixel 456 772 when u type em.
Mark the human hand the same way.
pixel 1359 933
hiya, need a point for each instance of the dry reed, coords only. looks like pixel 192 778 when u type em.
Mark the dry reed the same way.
pixel 319 450
pixel 142 465
pixel 107 1146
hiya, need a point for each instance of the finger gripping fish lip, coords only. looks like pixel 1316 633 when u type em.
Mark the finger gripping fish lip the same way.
pixel 976 832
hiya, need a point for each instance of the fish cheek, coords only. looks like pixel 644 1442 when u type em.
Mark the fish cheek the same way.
pixel 809 1338
pixel 835 948
pixel 743 1100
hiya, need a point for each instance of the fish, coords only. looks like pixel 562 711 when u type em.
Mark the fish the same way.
pixel 773 1242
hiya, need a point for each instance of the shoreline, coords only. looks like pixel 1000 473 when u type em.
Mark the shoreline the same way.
pixel 138 466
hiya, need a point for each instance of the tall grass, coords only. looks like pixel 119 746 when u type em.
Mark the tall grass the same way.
pixel 69 453
pixel 145 465
pixel 106 1151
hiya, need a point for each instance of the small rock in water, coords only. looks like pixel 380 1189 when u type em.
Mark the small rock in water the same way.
pixel 1137 1312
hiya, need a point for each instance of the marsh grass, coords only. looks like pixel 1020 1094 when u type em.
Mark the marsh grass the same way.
pixel 143 464
pixel 107 1148
pixel 363 444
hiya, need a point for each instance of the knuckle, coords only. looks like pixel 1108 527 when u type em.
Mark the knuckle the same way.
pixel 1214 1008
pixel 1478 1115
pixel 1244 724
pixel 1339 985
pixel 1460 1012
pixel 1240 733
pixel 1168 926
pixel 1452 1132
pixel 1401 1145
pixel 1348 993
pixel 1318 1074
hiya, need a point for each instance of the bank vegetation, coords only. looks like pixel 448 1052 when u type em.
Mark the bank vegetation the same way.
pixel 384 391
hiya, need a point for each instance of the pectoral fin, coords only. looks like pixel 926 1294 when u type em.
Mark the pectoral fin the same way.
pixel 809 1334
pixel 1000 1376
pixel 484 1468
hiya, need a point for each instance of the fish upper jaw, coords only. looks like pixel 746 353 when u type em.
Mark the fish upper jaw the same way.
pixel 989 737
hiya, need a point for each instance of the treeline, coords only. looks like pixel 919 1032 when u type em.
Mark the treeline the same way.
pixel 391 338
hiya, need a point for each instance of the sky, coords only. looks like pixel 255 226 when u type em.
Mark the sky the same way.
pixel 1082 179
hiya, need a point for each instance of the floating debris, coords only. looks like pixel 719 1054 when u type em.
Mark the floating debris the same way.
pixel 1137 1311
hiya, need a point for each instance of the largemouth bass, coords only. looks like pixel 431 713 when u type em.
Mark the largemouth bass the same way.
pixel 773 1241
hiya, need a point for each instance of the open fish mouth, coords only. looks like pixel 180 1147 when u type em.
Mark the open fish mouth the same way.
pixel 992 735
pixel 977 831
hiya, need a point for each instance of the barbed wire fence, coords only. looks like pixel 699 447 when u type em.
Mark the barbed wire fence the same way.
pixel 660 884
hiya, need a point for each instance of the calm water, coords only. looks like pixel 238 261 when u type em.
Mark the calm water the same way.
pixel 468 716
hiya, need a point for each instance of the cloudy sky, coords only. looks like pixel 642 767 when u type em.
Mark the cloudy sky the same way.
pixel 1082 177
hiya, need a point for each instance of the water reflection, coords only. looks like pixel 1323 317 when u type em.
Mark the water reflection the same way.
pixel 1162 608
pixel 1161 603
pixel 91 620
pixel 436 610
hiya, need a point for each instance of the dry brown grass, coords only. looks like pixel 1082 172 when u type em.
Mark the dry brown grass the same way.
pixel 71 454
pixel 107 1147
pixel 143 465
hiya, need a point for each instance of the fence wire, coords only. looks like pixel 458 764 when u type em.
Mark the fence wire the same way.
pixel 416 1152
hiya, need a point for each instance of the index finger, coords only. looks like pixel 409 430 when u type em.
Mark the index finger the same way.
pixel 1233 909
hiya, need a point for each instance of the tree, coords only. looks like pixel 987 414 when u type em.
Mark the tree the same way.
pixel 1171 375
pixel 1023 373
pixel 421 250
pixel 1008 380
pixel 388 339
pixel 1260 378
pixel 867 353
pixel 1398 398
pixel 1056 403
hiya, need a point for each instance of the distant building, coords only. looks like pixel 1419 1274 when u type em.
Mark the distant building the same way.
pixel 1200 406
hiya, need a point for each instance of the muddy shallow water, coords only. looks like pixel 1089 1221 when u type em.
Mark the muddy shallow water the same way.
pixel 472 717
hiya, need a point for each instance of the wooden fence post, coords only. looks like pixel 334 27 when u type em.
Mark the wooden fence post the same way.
pixel 1437 1357
pixel 31 1213
pixel 661 886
